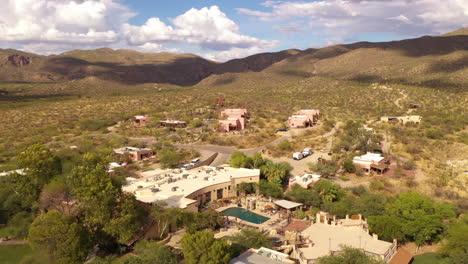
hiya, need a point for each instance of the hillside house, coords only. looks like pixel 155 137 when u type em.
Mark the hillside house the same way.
pixel 234 120
pixel 173 123
pixel 328 234
pixel 371 161
pixel 135 154
pixel 303 118
pixel 141 120
pixel 402 119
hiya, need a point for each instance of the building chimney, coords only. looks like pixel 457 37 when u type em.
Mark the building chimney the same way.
pixel 375 236
pixel 347 217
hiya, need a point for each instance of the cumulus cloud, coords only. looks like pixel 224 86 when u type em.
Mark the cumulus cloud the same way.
pixel 155 48
pixel 209 28
pixel 60 21
pixel 345 18
pixel 54 26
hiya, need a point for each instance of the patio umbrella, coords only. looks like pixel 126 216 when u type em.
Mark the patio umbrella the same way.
pixel 269 207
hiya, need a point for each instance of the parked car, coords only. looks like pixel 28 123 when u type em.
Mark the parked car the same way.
pixel 188 166
pixel 307 152
pixel 282 130
pixel 298 155
pixel 195 161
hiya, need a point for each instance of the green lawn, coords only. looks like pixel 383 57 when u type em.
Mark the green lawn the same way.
pixel 12 254
pixel 429 258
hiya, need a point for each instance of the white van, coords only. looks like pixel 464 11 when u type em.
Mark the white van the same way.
pixel 298 156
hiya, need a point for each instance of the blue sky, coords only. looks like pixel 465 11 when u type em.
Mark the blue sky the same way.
pixel 219 30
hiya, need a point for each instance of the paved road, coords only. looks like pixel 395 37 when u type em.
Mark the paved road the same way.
pixel 224 153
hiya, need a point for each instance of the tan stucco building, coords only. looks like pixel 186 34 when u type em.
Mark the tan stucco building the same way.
pixel 189 189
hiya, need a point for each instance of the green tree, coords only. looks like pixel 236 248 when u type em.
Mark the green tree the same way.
pixel 348 165
pixel 165 218
pixel 149 252
pixel 419 218
pixel 270 189
pixel 275 172
pixel 40 167
pixel 169 158
pixel 61 237
pixel 257 160
pixel 240 160
pixel 350 255
pixel 251 238
pixel 306 196
pixel 328 191
pixel 455 245
pixel 102 205
pixel 202 248
pixel 387 227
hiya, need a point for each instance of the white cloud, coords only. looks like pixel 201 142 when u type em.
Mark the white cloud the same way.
pixel 209 28
pixel 156 48
pixel 54 26
pixel 345 18
pixel 61 21
pixel 236 53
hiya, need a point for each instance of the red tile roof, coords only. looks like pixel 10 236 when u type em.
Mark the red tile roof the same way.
pixel 402 256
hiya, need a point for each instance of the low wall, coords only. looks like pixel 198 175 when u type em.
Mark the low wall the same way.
pixel 206 162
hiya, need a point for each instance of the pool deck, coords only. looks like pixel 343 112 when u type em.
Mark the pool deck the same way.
pixel 267 225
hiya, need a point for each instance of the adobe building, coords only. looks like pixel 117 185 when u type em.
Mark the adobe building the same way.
pixel 328 234
pixel 189 189
pixel 141 120
pixel 135 154
pixel 303 118
pixel 173 123
pixel 235 120
pixel 371 161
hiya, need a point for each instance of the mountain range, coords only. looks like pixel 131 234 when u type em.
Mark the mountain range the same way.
pixel 435 61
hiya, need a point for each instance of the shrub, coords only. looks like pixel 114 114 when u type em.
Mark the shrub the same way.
pixel 284 145
pixel 348 165
pixel 409 165
pixel 434 134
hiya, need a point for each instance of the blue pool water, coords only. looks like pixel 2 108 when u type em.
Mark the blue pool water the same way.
pixel 245 215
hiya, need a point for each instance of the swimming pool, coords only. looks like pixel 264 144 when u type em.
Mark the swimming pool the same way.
pixel 245 215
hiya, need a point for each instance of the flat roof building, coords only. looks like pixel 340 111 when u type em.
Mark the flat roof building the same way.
pixel 327 236
pixel 135 154
pixel 262 256
pixel 305 180
pixel 141 120
pixel 189 189
pixel 371 161
pixel 235 120
pixel 173 123
pixel 303 118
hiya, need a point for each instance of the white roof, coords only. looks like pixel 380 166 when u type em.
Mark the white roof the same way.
pixel 261 256
pixel 128 149
pixel 324 235
pixel 370 157
pixel 287 204
pixel 140 116
pixel 173 186
pixel 6 173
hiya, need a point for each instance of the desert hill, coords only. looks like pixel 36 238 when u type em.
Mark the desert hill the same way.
pixel 125 66
pixel 436 61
